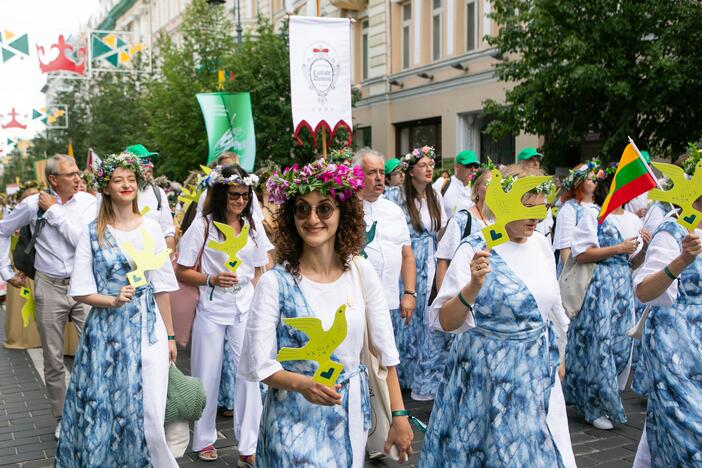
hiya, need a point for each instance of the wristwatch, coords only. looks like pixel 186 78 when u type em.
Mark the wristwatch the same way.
pixel 411 293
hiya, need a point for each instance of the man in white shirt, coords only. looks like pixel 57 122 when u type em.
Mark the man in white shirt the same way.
pixel 388 245
pixel 457 191
pixel 66 213
pixel 153 201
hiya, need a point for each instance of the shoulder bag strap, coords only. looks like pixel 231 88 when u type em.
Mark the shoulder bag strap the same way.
pixel 38 225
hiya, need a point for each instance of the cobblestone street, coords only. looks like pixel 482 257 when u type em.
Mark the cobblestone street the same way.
pixel 26 424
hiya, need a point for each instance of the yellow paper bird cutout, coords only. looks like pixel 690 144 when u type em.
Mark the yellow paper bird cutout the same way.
pixel 683 194
pixel 28 309
pixel 232 244
pixel 320 346
pixel 205 169
pixel 508 207
pixel 189 195
pixel 145 259
pixel 145 210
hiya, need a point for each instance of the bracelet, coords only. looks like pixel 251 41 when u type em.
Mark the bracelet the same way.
pixel 171 337
pixel 669 273
pixel 463 301
pixel 207 280
pixel 400 413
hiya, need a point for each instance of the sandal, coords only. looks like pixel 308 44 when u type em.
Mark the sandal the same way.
pixel 225 412
pixel 247 461
pixel 208 454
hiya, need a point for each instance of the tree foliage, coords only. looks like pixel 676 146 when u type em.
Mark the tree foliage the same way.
pixel 615 68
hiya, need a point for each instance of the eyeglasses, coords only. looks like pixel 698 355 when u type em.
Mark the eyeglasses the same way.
pixel 324 210
pixel 70 175
pixel 234 196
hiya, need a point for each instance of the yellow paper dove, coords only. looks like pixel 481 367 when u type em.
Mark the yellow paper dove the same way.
pixel 508 207
pixel 683 194
pixel 320 346
pixel 231 245
pixel 28 309
pixel 145 259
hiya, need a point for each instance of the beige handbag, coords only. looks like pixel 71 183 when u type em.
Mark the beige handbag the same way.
pixel 381 412
pixel 573 283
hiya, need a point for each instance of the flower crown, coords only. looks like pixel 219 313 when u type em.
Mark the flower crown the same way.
pixel 607 171
pixel 545 188
pixel 341 155
pixel 215 177
pixel 580 173
pixel 411 158
pixel 111 162
pixel 337 180
pixel 694 157
pixel 487 166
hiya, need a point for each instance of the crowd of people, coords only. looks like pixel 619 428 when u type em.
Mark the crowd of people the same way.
pixel 275 260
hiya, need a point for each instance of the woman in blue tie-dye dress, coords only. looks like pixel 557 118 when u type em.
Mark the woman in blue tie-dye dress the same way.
pixel 116 400
pixel 671 282
pixel 304 422
pixel 500 401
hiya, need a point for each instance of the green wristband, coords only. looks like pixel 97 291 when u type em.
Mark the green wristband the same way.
pixel 669 273
pixel 400 413
pixel 171 337
pixel 463 301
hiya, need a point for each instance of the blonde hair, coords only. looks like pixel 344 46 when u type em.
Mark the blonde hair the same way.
pixel 480 180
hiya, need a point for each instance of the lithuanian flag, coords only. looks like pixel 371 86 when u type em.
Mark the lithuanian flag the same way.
pixel 632 178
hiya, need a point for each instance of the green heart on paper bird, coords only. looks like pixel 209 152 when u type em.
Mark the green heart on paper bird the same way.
pixel 231 245
pixel 370 235
pixel 145 259
pixel 683 193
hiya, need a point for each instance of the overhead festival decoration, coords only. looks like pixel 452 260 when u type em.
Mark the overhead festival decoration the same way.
pixel 230 127
pixel 13 123
pixel 66 59
pixel 114 51
pixel 320 74
pixel 13 45
pixel 54 116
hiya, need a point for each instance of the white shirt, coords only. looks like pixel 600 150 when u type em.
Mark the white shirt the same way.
pixel 58 238
pixel 585 235
pixel 163 217
pixel 438 184
pixel 224 307
pixel 256 212
pixel 545 226
pixel 661 251
pixel 83 278
pixel 532 262
pixel 453 235
pixel 637 203
pixel 385 251
pixel 457 197
pixel 565 225
pixel 656 215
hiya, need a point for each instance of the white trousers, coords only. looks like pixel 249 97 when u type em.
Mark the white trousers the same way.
pixel 154 377
pixel 643 453
pixel 207 354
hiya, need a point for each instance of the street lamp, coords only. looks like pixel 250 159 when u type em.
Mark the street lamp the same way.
pixel 239 29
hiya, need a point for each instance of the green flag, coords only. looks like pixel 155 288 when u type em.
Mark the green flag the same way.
pixel 230 126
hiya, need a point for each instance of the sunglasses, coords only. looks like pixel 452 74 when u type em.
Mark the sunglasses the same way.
pixel 234 196
pixel 324 210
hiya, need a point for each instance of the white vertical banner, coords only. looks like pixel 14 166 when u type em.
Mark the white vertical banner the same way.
pixel 320 74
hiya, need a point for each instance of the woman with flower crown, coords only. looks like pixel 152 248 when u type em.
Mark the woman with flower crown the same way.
pixel 500 401
pixel 598 354
pixel 423 351
pixel 225 301
pixel 321 231
pixel 116 400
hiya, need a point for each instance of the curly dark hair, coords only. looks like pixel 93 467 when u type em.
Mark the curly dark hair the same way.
pixel 348 241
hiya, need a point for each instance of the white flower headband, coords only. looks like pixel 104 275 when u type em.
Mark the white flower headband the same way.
pixel 216 178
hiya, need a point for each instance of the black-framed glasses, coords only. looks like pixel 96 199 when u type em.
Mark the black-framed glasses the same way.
pixel 234 196
pixel 324 210
pixel 70 175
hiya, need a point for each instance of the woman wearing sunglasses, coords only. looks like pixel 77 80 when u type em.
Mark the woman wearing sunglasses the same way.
pixel 320 230
pixel 423 351
pixel 225 300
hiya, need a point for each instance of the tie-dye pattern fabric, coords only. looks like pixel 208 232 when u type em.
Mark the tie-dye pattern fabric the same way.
pixel 227 379
pixel 491 407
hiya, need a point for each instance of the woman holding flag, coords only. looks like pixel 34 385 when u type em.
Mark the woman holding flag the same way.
pixel 598 353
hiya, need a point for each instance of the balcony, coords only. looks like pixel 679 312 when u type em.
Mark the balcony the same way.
pixel 355 5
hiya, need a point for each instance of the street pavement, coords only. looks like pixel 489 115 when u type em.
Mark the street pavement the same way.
pixel 27 427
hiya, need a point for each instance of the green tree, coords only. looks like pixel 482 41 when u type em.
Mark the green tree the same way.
pixel 616 68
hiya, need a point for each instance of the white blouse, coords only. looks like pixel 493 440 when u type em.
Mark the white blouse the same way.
pixel 532 262
pixel 83 279
pixel 224 307
pixel 452 238
pixel 585 235
pixel 565 225
pixel 662 250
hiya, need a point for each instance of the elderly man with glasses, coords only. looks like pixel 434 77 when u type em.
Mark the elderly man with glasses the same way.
pixel 57 218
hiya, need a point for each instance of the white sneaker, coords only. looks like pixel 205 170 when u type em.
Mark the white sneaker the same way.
pixel 57 432
pixel 603 423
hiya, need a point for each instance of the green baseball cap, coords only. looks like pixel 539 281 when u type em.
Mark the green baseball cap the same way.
pixel 528 153
pixel 466 157
pixel 646 156
pixel 140 151
pixel 391 165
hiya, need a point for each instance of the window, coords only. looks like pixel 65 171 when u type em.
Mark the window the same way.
pixel 362 138
pixel 471 25
pixel 501 151
pixel 364 50
pixel 406 22
pixel 409 135
pixel 436 30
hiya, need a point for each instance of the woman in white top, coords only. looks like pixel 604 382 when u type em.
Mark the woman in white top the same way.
pixel 306 422
pixel 598 354
pixel 226 292
pixel 463 223
pixel 116 400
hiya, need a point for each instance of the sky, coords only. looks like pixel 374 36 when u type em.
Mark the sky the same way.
pixel 21 80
